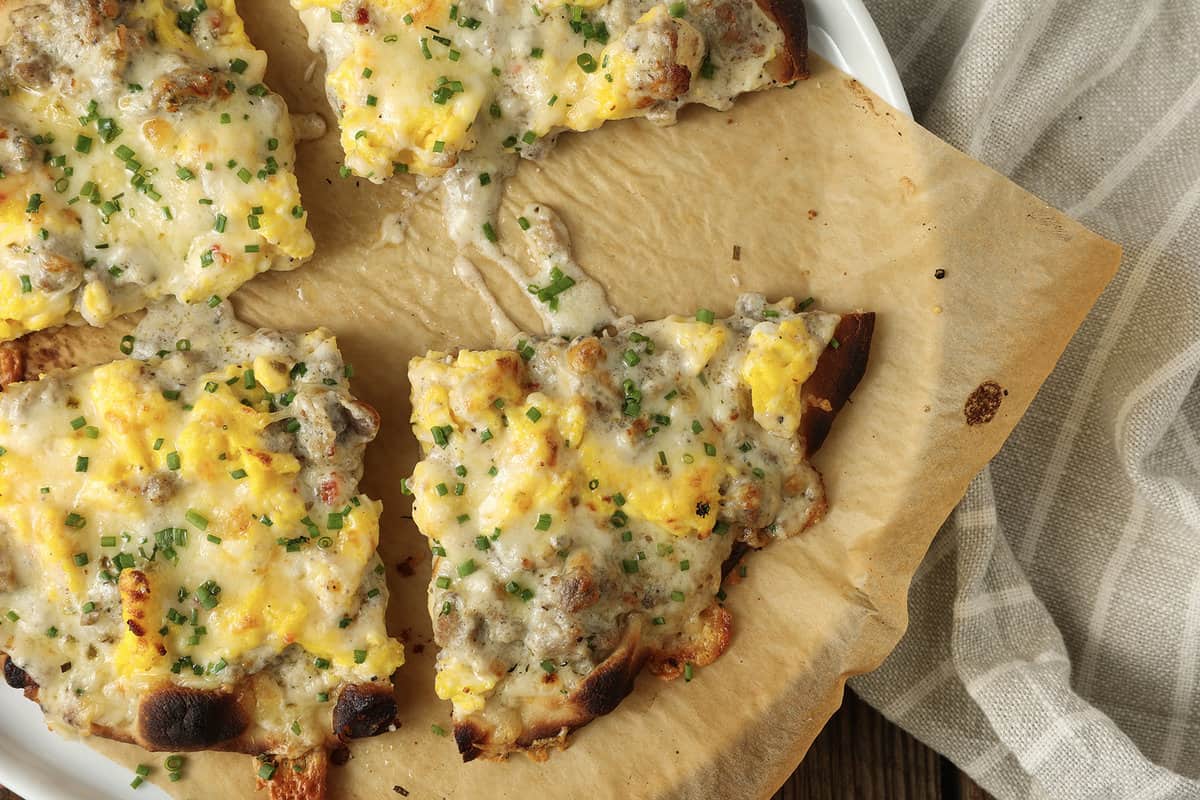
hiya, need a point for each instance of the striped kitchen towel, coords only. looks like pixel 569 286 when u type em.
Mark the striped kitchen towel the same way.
pixel 1054 643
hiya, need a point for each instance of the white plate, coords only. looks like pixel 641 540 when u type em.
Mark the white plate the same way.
pixel 38 765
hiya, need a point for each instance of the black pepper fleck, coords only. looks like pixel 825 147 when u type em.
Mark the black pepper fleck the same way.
pixel 939 273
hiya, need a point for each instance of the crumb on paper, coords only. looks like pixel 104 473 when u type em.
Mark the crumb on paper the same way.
pixel 737 252
pixel 937 309
pixel 735 280
pixel 813 213
pixel 939 273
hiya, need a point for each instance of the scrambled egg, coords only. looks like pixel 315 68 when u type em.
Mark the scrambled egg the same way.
pixel 780 359
pixel 135 167
pixel 463 686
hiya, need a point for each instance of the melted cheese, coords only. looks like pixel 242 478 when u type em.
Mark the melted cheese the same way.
pixel 191 521
pixel 136 167
pixel 573 490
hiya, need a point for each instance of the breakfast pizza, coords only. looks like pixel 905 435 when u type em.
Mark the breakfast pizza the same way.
pixel 141 156
pixel 185 559
pixel 417 84
pixel 582 497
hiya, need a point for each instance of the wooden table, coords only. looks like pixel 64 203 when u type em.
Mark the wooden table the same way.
pixel 862 756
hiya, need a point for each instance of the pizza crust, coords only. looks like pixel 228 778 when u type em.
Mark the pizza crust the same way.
pixel 789 15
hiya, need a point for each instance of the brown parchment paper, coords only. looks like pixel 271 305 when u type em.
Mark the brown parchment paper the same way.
pixel 827 192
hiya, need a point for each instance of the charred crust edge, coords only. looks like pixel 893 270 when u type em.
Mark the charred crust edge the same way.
pixel 14 676
pixel 610 683
pixel 838 371
pixel 789 15
pixel 470 738
pixel 363 710
pixel 178 718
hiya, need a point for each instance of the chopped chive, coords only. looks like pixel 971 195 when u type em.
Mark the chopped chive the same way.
pixel 466 568
pixel 705 316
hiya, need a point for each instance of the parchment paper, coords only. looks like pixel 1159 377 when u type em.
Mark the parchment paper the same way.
pixel 827 192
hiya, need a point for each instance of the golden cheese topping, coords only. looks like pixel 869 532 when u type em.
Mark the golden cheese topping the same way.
pixel 575 490
pixel 141 155
pixel 415 84
pixel 193 519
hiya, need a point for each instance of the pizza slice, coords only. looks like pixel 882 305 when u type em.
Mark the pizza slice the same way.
pixel 416 84
pixel 581 498
pixel 141 156
pixel 186 562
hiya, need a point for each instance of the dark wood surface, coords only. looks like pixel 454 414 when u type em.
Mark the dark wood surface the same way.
pixel 862 756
